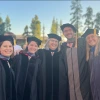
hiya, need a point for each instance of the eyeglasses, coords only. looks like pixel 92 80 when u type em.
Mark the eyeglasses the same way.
pixel 54 40
pixel 69 30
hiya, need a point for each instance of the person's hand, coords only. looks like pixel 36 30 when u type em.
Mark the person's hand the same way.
pixel 16 52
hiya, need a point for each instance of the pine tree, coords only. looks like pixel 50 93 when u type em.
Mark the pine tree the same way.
pixel 2 28
pixel 1 21
pixel 88 18
pixel 60 31
pixel 57 26
pixel 36 26
pixel 26 32
pixel 7 24
pixel 43 32
pixel 97 21
pixel 76 14
pixel 54 26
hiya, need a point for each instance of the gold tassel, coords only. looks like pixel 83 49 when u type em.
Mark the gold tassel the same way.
pixel 14 42
pixel 94 31
pixel 76 40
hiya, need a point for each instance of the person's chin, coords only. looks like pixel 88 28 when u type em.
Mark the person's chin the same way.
pixel 8 55
pixel 69 37
pixel 52 48
pixel 92 44
pixel 31 52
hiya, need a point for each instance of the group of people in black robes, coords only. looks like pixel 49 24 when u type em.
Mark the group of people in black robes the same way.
pixel 67 71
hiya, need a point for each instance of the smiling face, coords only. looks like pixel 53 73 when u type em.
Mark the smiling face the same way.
pixel 53 43
pixel 92 40
pixel 6 49
pixel 68 32
pixel 32 47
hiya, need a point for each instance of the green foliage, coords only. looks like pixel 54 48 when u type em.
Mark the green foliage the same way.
pixel 54 26
pixel 26 28
pixel 97 21
pixel 1 21
pixel 88 18
pixel 60 31
pixel 36 26
pixel 76 14
pixel 26 32
pixel 43 32
pixel 7 24
pixel 2 28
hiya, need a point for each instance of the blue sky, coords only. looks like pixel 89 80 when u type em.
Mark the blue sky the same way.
pixel 22 12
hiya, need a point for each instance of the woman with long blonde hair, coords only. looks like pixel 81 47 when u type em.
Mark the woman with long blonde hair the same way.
pixel 93 56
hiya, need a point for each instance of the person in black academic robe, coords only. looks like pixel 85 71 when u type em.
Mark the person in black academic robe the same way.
pixel 7 82
pixel 17 48
pixel 49 73
pixel 25 66
pixel 74 73
pixel 93 56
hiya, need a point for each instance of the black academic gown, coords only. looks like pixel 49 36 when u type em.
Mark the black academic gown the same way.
pixel 84 76
pixel 94 63
pixel 7 83
pixel 49 75
pixel 26 76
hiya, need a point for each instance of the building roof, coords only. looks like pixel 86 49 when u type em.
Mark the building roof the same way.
pixel 20 37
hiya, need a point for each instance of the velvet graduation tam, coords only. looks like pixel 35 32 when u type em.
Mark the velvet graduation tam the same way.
pixel 38 41
pixel 6 38
pixel 53 35
pixel 68 25
pixel 90 31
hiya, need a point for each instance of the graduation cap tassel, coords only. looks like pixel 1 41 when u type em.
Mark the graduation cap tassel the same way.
pixel 76 33
pixel 76 40
pixel 94 31
pixel 14 42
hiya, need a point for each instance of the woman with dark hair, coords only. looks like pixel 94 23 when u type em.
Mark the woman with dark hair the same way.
pixel 93 56
pixel 26 69
pixel 7 86
pixel 49 73
pixel 17 48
